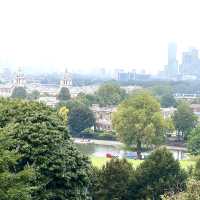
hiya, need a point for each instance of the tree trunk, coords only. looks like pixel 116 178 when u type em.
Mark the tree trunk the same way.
pixel 139 150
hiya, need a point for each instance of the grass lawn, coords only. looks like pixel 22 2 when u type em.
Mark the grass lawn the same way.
pixel 100 161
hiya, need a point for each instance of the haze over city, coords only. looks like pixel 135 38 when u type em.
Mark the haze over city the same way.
pixel 48 36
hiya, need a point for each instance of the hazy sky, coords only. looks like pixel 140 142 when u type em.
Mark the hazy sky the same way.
pixel 80 34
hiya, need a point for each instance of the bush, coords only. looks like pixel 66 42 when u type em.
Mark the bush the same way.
pixel 113 180
pixel 157 175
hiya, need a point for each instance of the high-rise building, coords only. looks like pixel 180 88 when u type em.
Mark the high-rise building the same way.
pixel 171 69
pixel 190 63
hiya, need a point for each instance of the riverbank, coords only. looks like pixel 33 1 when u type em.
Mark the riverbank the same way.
pixel 99 142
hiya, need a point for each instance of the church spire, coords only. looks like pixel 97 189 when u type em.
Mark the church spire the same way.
pixel 67 80
pixel 19 79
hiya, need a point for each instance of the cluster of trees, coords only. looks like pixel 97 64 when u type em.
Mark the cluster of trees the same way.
pixel 21 93
pixel 38 159
pixel 156 176
pixel 80 115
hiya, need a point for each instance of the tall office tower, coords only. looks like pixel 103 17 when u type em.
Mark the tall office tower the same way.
pixel 172 66
pixel 190 63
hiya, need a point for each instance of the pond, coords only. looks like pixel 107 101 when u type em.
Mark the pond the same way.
pixel 101 150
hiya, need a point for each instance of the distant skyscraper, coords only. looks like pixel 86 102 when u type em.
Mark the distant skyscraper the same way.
pixel 172 66
pixel 190 63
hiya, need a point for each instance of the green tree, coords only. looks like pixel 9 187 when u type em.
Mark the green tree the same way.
pixel 184 119
pixel 41 137
pixel 161 89
pixel 34 95
pixel 157 175
pixel 110 94
pixel 80 118
pixel 193 142
pixel 168 100
pixel 138 121
pixel 64 94
pixel 113 180
pixel 13 185
pixel 86 99
pixel 19 93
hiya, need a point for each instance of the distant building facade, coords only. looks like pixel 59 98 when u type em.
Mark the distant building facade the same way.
pixel 103 116
pixel 7 89
pixel 125 76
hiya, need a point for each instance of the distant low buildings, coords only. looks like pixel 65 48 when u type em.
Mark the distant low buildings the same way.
pixel 103 116
pixel 125 76
pixel 19 81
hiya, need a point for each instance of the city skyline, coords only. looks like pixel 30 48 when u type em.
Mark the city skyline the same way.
pixel 49 36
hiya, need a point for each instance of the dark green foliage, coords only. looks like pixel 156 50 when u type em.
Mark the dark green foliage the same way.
pixel 167 101
pixel 33 130
pixel 86 99
pixel 64 94
pixel 34 95
pixel 19 93
pixel 184 119
pixel 110 94
pixel 157 175
pixel 193 142
pixel 80 118
pixel 13 185
pixel 161 89
pixel 113 180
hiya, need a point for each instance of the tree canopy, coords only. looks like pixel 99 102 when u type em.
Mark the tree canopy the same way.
pixel 41 138
pixel 64 94
pixel 167 101
pixel 110 94
pixel 138 121
pixel 19 93
pixel 184 119
pixel 80 118
pixel 157 175
pixel 113 180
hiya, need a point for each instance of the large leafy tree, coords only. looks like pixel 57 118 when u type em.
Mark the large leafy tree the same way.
pixel 86 99
pixel 34 95
pixel 42 139
pixel 168 100
pixel 157 175
pixel 19 92
pixel 80 118
pixel 193 142
pixel 184 119
pixel 138 121
pixel 110 94
pixel 64 94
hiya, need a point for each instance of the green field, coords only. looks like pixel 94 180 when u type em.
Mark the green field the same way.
pixel 100 161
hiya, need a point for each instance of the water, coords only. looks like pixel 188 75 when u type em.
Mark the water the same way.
pixel 101 150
